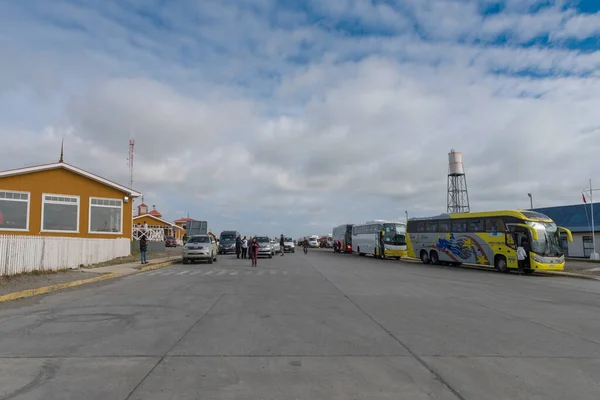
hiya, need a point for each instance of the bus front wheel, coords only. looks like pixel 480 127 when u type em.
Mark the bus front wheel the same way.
pixel 424 257
pixel 500 264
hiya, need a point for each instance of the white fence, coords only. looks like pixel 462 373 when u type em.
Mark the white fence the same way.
pixel 20 254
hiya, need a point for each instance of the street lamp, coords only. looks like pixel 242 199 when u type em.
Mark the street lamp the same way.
pixel 406 213
pixel 530 201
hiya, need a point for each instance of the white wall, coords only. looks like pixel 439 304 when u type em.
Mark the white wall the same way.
pixel 576 248
pixel 20 254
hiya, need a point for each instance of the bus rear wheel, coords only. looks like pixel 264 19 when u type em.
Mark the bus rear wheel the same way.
pixel 434 257
pixel 424 257
pixel 500 264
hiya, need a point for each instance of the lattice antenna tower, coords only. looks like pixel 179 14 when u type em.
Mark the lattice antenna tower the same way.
pixel 130 162
pixel 458 195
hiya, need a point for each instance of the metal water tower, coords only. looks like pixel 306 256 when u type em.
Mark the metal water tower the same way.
pixel 458 196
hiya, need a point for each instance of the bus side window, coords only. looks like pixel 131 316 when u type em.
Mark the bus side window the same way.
pixel 459 226
pixel 444 226
pixel 421 227
pixel 431 226
pixel 475 225
pixel 494 225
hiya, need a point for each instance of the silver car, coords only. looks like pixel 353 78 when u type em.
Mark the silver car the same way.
pixel 265 247
pixel 200 247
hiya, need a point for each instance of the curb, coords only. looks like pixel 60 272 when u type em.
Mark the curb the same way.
pixel 539 273
pixel 159 265
pixel 53 288
pixel 568 275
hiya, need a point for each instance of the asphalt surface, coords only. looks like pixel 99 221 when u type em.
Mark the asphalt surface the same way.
pixel 316 326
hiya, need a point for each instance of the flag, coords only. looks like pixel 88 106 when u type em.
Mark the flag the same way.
pixel 583 195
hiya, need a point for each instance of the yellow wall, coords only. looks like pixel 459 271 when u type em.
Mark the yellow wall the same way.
pixel 60 181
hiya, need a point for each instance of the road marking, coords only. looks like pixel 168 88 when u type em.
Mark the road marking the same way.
pixel 262 272
pixel 196 272
pixel 233 273
pixel 182 273
pixel 168 273
pixel 208 273
pixel 155 273
pixel 273 272
pixel 284 272
pixel 222 273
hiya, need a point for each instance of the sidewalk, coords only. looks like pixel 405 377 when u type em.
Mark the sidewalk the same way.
pixel 22 286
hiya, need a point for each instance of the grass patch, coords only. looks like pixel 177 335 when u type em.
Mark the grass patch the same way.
pixel 8 279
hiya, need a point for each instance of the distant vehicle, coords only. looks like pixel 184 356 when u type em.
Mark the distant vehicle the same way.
pixel 275 246
pixel 313 241
pixel 170 242
pixel 265 246
pixel 195 228
pixel 227 242
pixel 200 247
pixel 289 245
pixel 329 241
pixel 365 238
pixel 488 239
pixel 323 242
pixel 342 236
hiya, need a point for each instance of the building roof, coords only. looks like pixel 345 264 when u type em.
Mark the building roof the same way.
pixel 184 219
pixel 143 205
pixel 576 218
pixel 72 168
pixel 154 217
pixel 155 213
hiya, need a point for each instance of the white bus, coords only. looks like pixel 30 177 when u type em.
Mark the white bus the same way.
pixel 365 238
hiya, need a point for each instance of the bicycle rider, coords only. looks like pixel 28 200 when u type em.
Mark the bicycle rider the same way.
pixel 305 244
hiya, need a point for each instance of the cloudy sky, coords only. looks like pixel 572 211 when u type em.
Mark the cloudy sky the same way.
pixel 292 116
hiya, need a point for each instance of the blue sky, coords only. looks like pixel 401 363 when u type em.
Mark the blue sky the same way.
pixel 294 116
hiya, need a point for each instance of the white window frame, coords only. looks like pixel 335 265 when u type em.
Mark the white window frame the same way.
pixel 28 207
pixel 44 201
pixel 100 205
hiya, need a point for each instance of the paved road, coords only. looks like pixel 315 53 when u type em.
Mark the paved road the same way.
pixel 316 326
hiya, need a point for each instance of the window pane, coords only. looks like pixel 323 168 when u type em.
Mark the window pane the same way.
pixel 494 225
pixel 60 217
pixel 459 226
pixel 13 214
pixel 420 226
pixel 444 226
pixel 104 219
pixel 431 226
pixel 475 225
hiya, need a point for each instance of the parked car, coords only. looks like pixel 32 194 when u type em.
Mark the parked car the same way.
pixel 265 248
pixel 170 242
pixel 200 247
pixel 227 242
pixel 313 241
pixel 289 245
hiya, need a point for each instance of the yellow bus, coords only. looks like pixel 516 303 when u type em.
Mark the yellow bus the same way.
pixel 488 239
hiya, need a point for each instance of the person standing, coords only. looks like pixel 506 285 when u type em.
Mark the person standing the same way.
pixel 254 251
pixel 381 245
pixel 244 248
pixel 282 245
pixel 238 246
pixel 143 248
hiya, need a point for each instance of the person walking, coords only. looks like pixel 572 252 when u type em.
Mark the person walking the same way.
pixel 254 251
pixel 143 248
pixel 244 248
pixel 381 245
pixel 238 246
pixel 282 245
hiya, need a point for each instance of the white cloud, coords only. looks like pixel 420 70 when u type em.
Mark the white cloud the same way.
pixel 298 120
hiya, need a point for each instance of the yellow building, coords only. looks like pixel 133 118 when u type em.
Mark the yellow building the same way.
pixel 60 199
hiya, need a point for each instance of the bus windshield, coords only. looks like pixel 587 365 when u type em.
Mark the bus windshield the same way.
pixel 395 234
pixel 548 241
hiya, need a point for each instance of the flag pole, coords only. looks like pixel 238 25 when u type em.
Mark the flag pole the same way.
pixel 594 255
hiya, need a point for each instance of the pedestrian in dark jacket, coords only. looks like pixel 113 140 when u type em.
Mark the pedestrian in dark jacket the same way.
pixel 143 249
pixel 282 245
pixel 254 251
pixel 238 246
